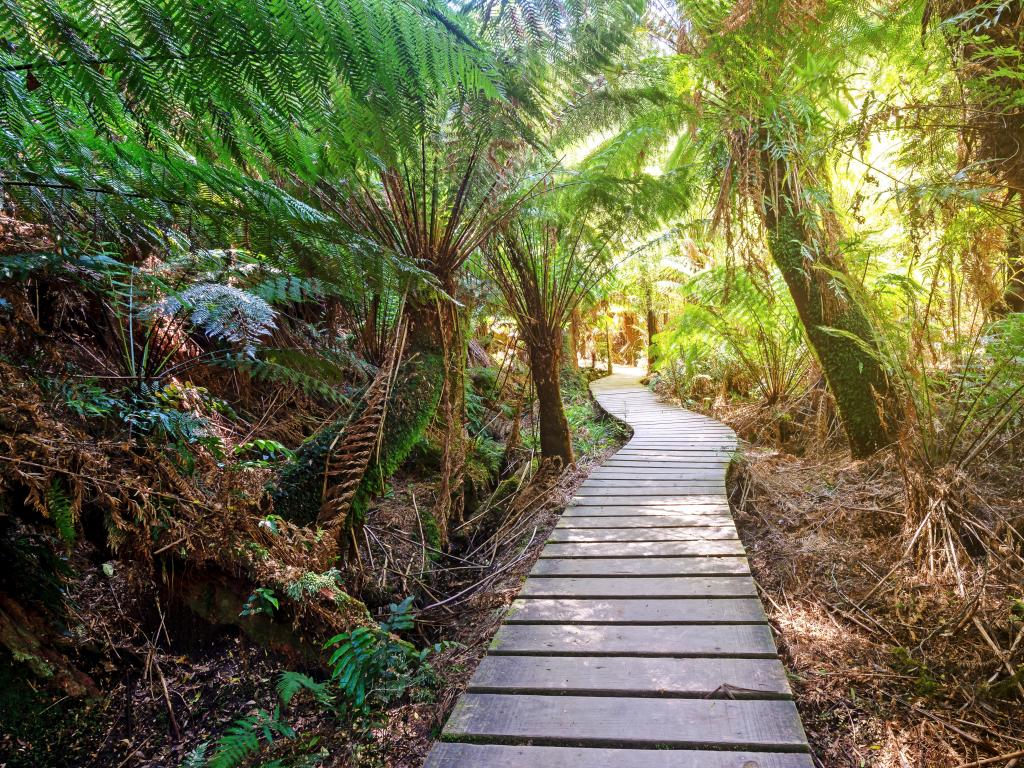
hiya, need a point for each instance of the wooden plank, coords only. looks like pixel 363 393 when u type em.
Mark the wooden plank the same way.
pixel 697 497
pixel 643 472
pixel 614 721
pixel 660 587
pixel 453 755
pixel 667 520
pixel 642 566
pixel 674 640
pixel 638 483
pixel 644 549
pixel 644 508
pixel 632 676
pixel 696 610
pixel 646 533
pixel 648 486
pixel 630 463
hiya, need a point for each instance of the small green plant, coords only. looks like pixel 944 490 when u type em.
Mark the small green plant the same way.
pixel 246 736
pixel 262 600
pixel 371 667
pixel 262 453
pixel 311 583
pixel 61 508
pixel 89 400
pixel 154 413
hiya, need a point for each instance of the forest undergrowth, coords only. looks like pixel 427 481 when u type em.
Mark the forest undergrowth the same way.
pixel 152 659
pixel 892 666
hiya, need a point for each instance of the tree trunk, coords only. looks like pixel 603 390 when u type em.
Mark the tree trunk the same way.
pixel 555 437
pixel 608 348
pixel 1013 294
pixel 631 335
pixel 438 328
pixel 652 327
pixel 574 340
pixel 854 373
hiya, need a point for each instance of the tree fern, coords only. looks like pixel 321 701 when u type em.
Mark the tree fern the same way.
pixel 291 683
pixel 61 509
pixel 223 311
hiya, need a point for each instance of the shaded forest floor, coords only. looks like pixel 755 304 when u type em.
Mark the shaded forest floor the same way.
pixel 891 668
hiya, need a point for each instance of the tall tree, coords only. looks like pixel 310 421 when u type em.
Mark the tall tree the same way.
pixel 746 99
pixel 544 270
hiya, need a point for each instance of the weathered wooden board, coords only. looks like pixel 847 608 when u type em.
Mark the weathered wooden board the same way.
pixel 504 756
pixel 667 520
pixel 597 509
pixel 633 586
pixel 695 610
pixel 674 640
pixel 614 721
pixel 645 473
pixel 661 500
pixel 644 549
pixel 651 487
pixel 642 566
pixel 632 676
pixel 642 534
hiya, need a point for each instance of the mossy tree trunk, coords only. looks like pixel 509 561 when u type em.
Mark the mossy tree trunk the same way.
pixel 545 367
pixel 438 327
pixel 809 262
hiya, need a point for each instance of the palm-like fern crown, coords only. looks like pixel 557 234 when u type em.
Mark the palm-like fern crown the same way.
pixel 146 119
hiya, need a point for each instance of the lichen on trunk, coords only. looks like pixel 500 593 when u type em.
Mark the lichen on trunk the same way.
pixel 837 326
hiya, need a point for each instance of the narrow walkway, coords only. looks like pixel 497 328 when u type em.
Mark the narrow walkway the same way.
pixel 638 640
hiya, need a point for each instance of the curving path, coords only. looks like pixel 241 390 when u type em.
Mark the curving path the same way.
pixel 638 640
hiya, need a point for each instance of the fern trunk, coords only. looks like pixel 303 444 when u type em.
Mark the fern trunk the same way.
pixel 850 360
pixel 1013 294
pixel 652 327
pixel 545 368
pixel 438 328
pixel 299 494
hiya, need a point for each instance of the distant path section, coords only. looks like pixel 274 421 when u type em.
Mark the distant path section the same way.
pixel 638 640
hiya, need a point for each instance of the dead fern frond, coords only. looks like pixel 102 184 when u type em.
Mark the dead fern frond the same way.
pixel 355 446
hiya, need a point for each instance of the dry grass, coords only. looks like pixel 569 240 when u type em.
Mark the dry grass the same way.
pixel 891 667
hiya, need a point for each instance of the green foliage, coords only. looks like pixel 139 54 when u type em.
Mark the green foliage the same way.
pixel 262 453
pixel 972 402
pixel 291 683
pixel 373 668
pixel 222 311
pixel 262 600
pixel 311 583
pixel 61 509
pixel 246 736
pixel 89 400
pixel 730 325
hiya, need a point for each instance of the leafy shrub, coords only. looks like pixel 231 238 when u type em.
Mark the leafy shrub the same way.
pixel 370 668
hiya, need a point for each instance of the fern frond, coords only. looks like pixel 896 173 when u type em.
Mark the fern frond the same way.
pixel 291 683
pixel 61 509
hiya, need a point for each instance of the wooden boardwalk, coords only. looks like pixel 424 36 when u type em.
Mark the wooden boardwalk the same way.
pixel 638 640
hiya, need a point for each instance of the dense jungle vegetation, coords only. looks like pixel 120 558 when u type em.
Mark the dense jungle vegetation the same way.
pixel 299 301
